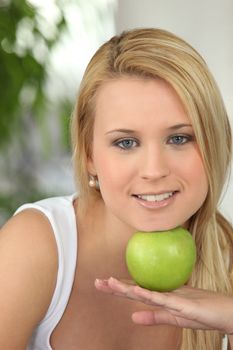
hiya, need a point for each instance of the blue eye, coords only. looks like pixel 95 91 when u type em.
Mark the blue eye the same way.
pixel 126 144
pixel 179 139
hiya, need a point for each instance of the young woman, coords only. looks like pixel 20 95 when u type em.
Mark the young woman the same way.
pixel 151 150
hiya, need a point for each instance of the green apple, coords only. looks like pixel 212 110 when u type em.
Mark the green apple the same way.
pixel 161 261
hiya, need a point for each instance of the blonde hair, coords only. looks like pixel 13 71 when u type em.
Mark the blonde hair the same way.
pixel 155 53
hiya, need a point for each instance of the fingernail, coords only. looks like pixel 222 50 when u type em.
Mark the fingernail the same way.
pixel 101 281
pixel 112 279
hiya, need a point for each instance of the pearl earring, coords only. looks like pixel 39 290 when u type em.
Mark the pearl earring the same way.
pixel 93 182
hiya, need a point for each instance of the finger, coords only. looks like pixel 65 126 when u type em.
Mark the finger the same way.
pixel 132 291
pixel 115 287
pixel 102 285
pixel 176 301
pixel 157 298
pixel 123 289
pixel 150 318
pixel 164 317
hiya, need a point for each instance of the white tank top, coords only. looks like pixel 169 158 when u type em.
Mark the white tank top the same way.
pixel 60 213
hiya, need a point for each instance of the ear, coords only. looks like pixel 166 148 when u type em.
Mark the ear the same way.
pixel 91 166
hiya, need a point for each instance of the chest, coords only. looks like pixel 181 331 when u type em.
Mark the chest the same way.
pixel 93 320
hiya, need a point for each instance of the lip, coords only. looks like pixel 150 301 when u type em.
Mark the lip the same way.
pixel 154 193
pixel 155 204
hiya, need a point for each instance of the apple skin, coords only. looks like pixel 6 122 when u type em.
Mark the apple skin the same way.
pixel 161 261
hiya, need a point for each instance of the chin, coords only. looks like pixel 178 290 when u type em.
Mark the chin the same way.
pixel 160 226
pixel 156 227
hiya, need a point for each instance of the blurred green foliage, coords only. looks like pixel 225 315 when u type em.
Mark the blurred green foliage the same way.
pixel 20 68
pixel 25 48
pixel 34 126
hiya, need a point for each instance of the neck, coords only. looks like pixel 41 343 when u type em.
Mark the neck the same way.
pixel 107 235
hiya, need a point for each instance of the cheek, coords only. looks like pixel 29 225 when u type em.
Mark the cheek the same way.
pixel 198 171
pixel 109 165
pixel 113 174
pixel 192 165
pixel 196 176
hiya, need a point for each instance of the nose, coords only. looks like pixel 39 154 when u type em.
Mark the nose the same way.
pixel 154 164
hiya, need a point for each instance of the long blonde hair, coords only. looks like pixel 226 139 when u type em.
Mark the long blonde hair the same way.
pixel 155 53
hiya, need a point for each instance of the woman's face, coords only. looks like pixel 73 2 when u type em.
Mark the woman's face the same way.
pixel 145 155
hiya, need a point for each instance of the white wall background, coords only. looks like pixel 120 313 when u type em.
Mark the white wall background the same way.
pixel 205 24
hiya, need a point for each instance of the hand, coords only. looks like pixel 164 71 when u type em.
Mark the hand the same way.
pixel 185 307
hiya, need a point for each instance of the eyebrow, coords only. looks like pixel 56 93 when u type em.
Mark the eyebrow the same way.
pixel 129 131
pixel 180 126
pixel 125 131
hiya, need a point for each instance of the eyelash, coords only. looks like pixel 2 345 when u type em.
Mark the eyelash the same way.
pixel 118 143
pixel 187 138
pixel 183 138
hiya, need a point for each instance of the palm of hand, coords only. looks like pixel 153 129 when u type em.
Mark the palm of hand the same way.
pixel 185 307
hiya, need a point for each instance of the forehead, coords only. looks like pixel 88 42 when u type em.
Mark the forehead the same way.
pixel 132 100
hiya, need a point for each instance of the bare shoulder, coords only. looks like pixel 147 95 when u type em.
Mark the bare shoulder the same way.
pixel 28 271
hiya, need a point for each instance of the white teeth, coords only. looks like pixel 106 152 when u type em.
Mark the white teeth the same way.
pixel 155 197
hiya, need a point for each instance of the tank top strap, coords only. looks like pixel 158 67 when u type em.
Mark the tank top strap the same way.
pixel 61 215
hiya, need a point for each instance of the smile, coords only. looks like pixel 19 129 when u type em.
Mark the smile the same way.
pixel 155 201
pixel 155 197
